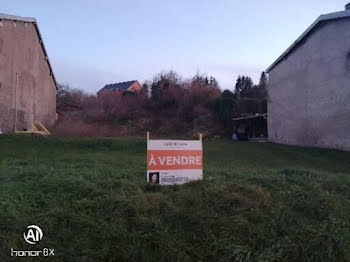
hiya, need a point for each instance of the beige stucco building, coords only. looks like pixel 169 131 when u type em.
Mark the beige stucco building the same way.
pixel 309 87
pixel 27 83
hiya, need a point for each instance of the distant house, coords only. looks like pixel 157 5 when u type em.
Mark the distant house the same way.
pixel 130 86
pixel 27 82
pixel 309 86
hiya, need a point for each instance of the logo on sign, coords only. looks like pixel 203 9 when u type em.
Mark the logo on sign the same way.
pixel 33 234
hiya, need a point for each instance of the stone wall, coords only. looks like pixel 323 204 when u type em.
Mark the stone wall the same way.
pixel 309 91
pixel 27 89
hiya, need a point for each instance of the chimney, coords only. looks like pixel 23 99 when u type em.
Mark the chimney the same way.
pixel 347 7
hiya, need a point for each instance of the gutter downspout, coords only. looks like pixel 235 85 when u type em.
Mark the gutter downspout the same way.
pixel 16 84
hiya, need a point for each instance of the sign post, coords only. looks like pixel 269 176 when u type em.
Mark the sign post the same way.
pixel 174 162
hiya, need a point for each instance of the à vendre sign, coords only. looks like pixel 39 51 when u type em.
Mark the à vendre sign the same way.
pixel 171 162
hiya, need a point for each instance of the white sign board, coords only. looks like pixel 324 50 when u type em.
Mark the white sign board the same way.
pixel 171 162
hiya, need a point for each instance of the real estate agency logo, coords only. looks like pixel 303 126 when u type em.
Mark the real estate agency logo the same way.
pixel 32 235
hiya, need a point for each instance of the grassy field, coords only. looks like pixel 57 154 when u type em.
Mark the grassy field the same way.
pixel 257 202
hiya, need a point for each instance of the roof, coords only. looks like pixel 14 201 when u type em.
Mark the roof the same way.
pixel 308 32
pixel 118 86
pixel 250 117
pixel 31 20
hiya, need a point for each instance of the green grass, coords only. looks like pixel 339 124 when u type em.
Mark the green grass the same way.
pixel 257 202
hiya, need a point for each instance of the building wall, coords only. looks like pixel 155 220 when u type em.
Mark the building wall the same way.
pixel 22 61
pixel 135 87
pixel 309 91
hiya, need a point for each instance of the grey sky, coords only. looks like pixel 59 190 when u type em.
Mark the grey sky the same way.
pixel 92 43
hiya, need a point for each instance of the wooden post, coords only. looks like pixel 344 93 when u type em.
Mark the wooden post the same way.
pixel 147 135
pixel 200 136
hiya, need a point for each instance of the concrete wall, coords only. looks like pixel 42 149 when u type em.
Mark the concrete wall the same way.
pixel 22 61
pixel 309 91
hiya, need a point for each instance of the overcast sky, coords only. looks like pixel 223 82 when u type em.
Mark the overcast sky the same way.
pixel 93 43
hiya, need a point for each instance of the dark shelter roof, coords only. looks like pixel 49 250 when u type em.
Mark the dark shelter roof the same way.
pixel 118 86
pixel 250 117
